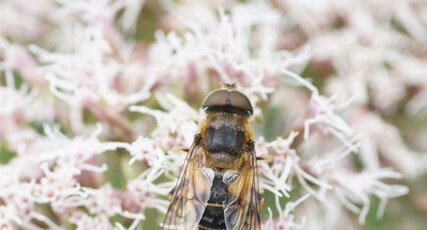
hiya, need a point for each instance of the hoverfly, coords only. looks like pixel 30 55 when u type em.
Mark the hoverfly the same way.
pixel 218 184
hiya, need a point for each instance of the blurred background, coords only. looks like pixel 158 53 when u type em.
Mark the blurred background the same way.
pixel 98 96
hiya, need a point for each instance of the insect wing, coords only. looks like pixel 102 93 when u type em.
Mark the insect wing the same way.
pixel 191 193
pixel 242 204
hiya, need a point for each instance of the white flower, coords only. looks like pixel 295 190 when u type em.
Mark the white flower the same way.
pixel 82 81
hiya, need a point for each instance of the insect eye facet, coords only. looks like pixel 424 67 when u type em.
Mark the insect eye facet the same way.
pixel 225 100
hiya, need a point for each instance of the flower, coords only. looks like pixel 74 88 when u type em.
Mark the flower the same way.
pixel 99 99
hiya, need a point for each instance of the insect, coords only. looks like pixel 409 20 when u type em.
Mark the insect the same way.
pixel 218 184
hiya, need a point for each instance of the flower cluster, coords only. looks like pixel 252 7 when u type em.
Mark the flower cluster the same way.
pixel 99 98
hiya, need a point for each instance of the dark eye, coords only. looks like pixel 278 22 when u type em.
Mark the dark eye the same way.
pixel 225 100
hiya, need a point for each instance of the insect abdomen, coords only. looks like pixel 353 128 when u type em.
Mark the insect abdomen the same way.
pixel 213 217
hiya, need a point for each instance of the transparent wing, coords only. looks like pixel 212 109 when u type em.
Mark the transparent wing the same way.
pixel 242 204
pixel 191 193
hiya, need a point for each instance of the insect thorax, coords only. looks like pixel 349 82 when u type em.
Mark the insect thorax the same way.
pixel 225 136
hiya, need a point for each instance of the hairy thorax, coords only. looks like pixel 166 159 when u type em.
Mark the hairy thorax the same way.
pixel 225 138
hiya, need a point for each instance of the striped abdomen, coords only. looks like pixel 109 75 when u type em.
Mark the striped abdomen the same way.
pixel 213 217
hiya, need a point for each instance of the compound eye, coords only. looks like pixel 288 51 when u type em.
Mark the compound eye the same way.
pixel 228 101
pixel 239 100
pixel 216 98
